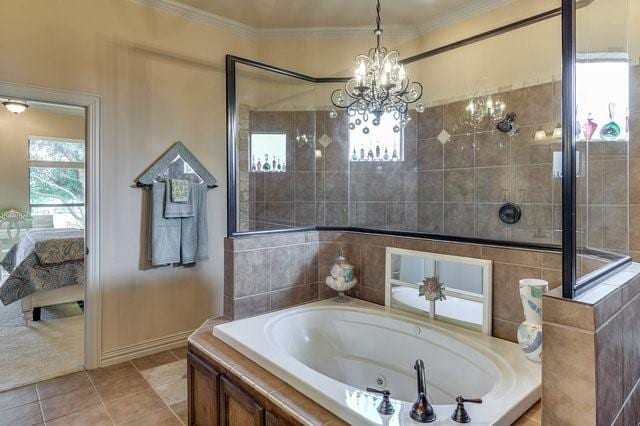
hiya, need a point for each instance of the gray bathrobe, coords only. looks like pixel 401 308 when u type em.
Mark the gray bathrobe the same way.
pixel 178 240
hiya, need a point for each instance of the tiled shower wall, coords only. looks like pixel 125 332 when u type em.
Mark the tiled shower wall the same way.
pixel 634 163
pixel 455 188
pixel 268 273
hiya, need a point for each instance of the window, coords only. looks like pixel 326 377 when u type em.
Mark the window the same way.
pixel 56 182
pixel 380 144
pixel 602 92
pixel 268 152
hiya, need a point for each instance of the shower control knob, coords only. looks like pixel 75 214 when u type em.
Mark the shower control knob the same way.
pixel 385 407
pixel 460 414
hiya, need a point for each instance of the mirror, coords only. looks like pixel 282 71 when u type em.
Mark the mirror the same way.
pixel 466 281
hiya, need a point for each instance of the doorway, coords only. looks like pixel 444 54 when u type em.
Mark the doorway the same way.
pixel 49 304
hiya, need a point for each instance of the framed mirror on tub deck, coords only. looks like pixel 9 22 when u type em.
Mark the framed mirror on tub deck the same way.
pixel 449 288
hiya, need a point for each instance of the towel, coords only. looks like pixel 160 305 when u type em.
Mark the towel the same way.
pixel 53 252
pixel 174 209
pixel 181 239
pixel 179 190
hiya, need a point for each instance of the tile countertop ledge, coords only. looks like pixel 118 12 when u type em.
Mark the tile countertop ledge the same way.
pixel 275 390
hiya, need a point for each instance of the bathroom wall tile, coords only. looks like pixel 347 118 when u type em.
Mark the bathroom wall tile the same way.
pixel 372 295
pixel 630 347
pixel 402 216
pixel 630 290
pixel 336 186
pixel 228 308
pixel 410 161
pixel 458 249
pixel 287 239
pixel 526 150
pixel 430 154
pixel 533 183
pixel 246 243
pixel 615 230
pixel 557 101
pixel 458 185
pixel 503 329
pixel 634 227
pixel 634 180
pixel 336 214
pixel 250 306
pixel 595 226
pixel 553 277
pixel 453 118
pixel 595 179
pixel 569 364
pixel 417 244
pixel 536 224
pixel 607 306
pixel 340 237
pixel 430 122
pixel 609 358
pixel 506 294
pixel 634 89
pixel 368 215
pixel 488 224
pixel 492 148
pixel 373 267
pixel 533 104
pixel 305 213
pixel 492 184
pixel 634 135
pixel 371 186
pixel 305 186
pixel 278 186
pixel 430 186
pixel 430 217
pixel 459 152
pixel 278 212
pixel 251 272
pixel 336 154
pixel 568 313
pixel 458 219
pixel 513 256
pixel 616 177
pixel 288 267
pixel 282 299
pixel 406 187
pixel 377 240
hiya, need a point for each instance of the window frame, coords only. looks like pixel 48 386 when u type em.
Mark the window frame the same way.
pixel 359 129
pixel 81 165
pixel 286 137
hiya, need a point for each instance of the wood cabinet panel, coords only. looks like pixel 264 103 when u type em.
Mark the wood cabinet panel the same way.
pixel 203 384
pixel 237 408
pixel 273 420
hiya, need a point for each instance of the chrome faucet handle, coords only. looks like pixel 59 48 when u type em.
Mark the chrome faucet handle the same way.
pixel 422 411
pixel 385 406
pixel 460 414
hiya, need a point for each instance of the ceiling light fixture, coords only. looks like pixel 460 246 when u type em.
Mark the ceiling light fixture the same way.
pixel 380 86
pixel 14 106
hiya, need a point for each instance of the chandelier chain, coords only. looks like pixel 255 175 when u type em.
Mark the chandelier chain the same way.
pixel 378 30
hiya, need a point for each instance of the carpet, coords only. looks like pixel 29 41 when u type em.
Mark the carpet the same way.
pixel 48 348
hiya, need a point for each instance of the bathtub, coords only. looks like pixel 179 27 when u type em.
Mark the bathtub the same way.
pixel 332 351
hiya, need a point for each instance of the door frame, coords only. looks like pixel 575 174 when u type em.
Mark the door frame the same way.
pixel 91 104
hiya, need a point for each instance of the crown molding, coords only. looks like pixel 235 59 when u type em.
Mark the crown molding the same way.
pixel 460 14
pixel 201 16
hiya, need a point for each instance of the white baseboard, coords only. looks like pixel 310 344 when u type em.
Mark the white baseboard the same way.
pixel 149 347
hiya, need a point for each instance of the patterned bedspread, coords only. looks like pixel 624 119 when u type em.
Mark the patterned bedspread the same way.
pixel 28 274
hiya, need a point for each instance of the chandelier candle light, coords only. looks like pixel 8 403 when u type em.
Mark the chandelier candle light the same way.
pixel 380 86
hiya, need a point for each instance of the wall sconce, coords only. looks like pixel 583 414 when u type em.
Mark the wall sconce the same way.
pixel 318 153
pixel 14 106
pixel 540 135
pixel 557 132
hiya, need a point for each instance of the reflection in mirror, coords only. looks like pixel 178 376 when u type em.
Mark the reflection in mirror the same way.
pixel 466 281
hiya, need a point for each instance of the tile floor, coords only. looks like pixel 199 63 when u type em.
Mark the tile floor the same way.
pixel 151 390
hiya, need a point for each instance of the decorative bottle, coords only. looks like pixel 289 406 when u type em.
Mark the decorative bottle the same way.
pixel 273 163
pixel 259 166
pixel 530 331
pixel 361 152
pixel 266 166
pixel 611 130
pixel 377 151
pixel 386 155
pixel 590 127
pixel 354 155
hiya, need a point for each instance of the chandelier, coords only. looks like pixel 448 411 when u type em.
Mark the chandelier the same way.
pixel 482 111
pixel 380 86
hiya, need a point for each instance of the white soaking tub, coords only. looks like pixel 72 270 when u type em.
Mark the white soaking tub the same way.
pixel 332 351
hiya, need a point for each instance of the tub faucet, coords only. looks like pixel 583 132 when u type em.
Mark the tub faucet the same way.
pixel 422 411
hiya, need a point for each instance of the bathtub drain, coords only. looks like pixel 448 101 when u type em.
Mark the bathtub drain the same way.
pixel 381 382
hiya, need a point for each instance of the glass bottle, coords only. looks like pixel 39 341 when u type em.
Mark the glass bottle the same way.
pixel 253 163
pixel 589 127
pixel 370 153
pixel 266 166
pixel 386 154
pixel 354 155
pixel 611 130
pixel 273 163
pixel 259 166
pixel 279 165
pixel 361 152
pixel 377 151
pixel 394 156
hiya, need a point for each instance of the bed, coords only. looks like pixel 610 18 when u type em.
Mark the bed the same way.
pixel 44 274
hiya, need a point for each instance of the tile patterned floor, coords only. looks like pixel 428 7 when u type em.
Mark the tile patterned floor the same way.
pixel 151 390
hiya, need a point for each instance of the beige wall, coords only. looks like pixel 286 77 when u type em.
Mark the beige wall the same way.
pixel 15 130
pixel 161 79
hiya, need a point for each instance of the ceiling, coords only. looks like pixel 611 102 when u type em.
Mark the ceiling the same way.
pixel 417 15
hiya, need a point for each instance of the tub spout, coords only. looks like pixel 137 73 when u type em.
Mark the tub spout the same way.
pixel 422 411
